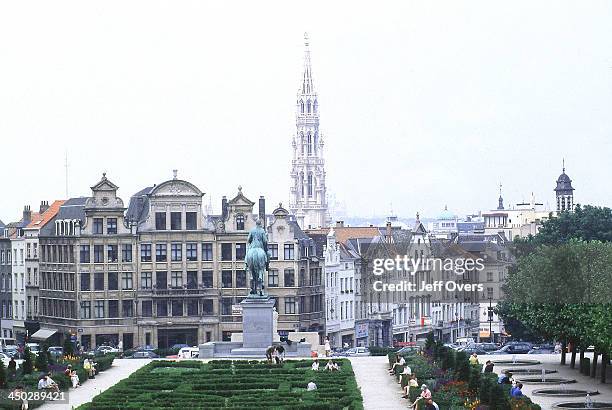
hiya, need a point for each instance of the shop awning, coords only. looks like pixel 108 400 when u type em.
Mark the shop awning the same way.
pixel 43 334
pixel 484 333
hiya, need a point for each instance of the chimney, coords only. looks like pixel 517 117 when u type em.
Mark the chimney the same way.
pixel 44 205
pixel 339 224
pixel 262 209
pixel 224 207
pixel 27 213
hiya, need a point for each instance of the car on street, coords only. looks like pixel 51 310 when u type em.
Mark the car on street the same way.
pixel 514 348
pixel 473 349
pixel 409 350
pixel 188 353
pixel 56 351
pixel 104 349
pixel 355 351
pixel 11 351
pixel 143 354
pixel 178 346
pixel 489 347
pixel 34 348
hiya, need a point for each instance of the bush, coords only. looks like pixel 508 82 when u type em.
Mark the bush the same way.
pixel 28 362
pixel 42 359
pixel 68 346
pixel 381 351
pixel 2 375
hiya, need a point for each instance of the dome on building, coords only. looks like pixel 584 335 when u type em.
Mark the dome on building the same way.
pixel 564 183
pixel 447 215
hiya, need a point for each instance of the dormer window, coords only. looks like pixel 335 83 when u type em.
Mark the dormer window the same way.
pixel 111 226
pixel 98 226
pixel 240 223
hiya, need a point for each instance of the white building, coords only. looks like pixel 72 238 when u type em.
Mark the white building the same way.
pixel 340 292
pixel 308 198
pixel 445 226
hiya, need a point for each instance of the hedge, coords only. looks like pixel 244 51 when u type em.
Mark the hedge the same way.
pixel 233 384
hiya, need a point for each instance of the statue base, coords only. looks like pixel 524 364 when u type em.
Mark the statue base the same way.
pixel 257 322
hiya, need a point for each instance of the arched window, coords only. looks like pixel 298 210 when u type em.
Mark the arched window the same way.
pixel 308 106
pixel 302 107
pixel 315 106
pixel 240 223
pixel 310 184
pixel 302 183
pixel 309 143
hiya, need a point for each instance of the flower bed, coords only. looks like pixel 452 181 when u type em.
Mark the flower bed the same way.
pixel 232 384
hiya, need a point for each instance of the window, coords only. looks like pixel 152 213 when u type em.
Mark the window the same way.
pixel 111 226
pixel 273 248
pixel 85 281
pixel 240 223
pixel 175 221
pixel 99 309
pixel 289 305
pixel 98 226
pixel 241 279
pixel 176 251
pixel 162 308
pixel 113 308
pixel 289 254
pixel 192 307
pixel 192 252
pixel 126 252
pixel 161 252
pixel 289 277
pixel 192 280
pixel 177 308
pixel 207 307
pixel 98 253
pixel 176 279
pixel 113 281
pixel 85 309
pixel 226 306
pixel 112 253
pixel 99 281
pixel 207 278
pixel 145 252
pixel 84 254
pixel 191 221
pixel 126 281
pixel 489 276
pixel 273 278
pixel 146 308
pixel 160 221
pixel 226 251
pixel 226 278
pixel 240 251
pixel 207 252
pixel 127 308
pixel 146 280
pixel 161 280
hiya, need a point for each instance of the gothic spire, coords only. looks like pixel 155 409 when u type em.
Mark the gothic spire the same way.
pixel 307 84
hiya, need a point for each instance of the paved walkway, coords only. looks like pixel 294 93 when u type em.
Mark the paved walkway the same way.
pixel 121 369
pixel 551 361
pixel 379 390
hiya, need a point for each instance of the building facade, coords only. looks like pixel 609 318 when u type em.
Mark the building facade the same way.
pixel 6 295
pixel 308 195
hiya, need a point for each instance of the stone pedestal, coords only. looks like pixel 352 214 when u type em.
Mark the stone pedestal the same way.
pixel 257 326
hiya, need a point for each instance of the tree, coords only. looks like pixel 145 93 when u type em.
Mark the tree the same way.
pixel 42 359
pixel 68 346
pixel 28 362
pixel 2 374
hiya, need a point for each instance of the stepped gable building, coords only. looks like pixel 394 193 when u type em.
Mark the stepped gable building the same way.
pixel 308 195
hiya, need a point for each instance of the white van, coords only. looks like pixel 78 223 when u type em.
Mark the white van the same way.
pixel 189 353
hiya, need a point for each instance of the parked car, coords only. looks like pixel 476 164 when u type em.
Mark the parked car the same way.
pixel 514 348
pixel 178 346
pixel 409 350
pixel 357 351
pixel 146 354
pixel 11 351
pixel 489 347
pixel 56 351
pixel 104 349
pixel 451 346
pixel 188 353
pixel 542 349
pixel 473 349
pixel 34 348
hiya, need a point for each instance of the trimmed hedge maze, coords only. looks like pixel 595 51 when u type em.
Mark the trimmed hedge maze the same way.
pixel 237 384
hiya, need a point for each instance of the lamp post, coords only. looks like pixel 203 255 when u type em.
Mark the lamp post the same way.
pixel 490 312
pixel 457 318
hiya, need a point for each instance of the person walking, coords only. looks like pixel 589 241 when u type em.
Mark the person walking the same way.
pixel 489 367
pixel 474 359
pixel 327 347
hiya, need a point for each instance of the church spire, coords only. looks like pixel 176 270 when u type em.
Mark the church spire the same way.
pixel 307 84
pixel 500 201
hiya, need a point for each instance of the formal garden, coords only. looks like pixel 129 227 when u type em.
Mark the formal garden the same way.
pixel 27 375
pixel 455 383
pixel 233 384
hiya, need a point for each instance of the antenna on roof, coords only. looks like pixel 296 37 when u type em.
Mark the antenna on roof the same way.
pixel 66 169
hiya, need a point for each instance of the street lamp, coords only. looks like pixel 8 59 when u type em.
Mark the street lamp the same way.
pixel 490 313
pixel 457 318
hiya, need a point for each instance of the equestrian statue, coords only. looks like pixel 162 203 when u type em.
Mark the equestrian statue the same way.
pixel 257 259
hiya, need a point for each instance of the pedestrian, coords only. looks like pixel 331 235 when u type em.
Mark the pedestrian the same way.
pixel 19 394
pixel 12 368
pixel 431 405
pixel 327 347
pixel 68 371
pixel 315 365
pixel 406 372
pixel 311 386
pixel 399 361
pixel 413 382
pixel 489 367
pixel 517 391
pixel 74 378
pixel 474 359
pixel 504 378
pixel 270 353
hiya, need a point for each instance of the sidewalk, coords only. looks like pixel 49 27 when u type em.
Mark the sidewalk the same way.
pixel 551 361
pixel 121 369
pixel 379 390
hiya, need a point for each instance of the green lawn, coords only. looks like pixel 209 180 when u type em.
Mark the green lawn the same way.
pixel 232 384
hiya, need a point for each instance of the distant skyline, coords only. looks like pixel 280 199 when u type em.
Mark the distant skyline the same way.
pixel 422 104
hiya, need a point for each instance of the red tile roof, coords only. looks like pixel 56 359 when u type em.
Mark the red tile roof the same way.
pixel 40 220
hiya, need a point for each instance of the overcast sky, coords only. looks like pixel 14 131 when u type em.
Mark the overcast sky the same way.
pixel 422 103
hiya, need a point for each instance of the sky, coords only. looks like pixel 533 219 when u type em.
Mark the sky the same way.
pixel 423 104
